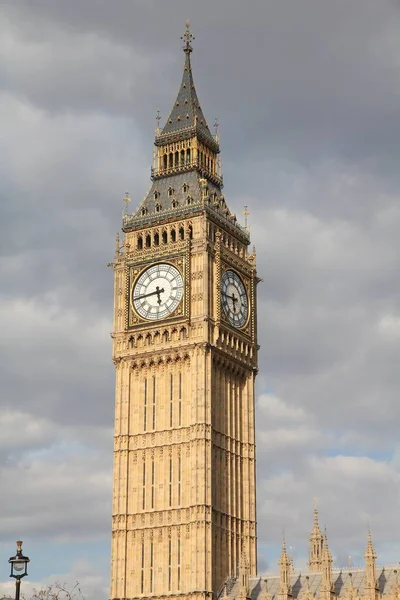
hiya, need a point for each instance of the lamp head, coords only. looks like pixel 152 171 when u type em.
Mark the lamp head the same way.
pixel 19 563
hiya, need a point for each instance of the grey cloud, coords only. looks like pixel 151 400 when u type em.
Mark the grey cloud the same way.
pixel 307 96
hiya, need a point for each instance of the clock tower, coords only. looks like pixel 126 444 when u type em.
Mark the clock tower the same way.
pixel 185 355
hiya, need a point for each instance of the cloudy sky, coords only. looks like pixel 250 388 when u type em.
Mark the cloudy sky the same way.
pixel 307 94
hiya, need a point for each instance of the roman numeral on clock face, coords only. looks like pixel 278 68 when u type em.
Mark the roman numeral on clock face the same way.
pixel 157 292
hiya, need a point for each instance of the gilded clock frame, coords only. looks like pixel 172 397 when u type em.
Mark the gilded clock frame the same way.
pixel 134 271
pixel 244 277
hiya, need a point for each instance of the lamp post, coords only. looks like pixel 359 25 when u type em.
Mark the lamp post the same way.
pixel 19 568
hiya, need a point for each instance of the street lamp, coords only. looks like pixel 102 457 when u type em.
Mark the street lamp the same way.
pixel 19 568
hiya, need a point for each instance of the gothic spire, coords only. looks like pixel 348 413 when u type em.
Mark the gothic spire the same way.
pixel 370 570
pixel 186 114
pixel 316 543
pixel 370 550
pixel 326 567
pixel 285 569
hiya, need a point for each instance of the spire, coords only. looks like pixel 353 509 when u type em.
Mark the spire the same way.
pixel 370 569
pixel 186 172
pixel 285 569
pixel 316 543
pixel 326 568
pixel 186 113
pixel 369 551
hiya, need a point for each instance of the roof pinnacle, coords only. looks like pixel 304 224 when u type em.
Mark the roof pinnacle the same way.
pixel 187 38
pixel 370 550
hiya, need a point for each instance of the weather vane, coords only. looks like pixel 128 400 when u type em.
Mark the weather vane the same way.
pixel 187 38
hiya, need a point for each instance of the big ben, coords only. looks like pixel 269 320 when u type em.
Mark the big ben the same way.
pixel 185 355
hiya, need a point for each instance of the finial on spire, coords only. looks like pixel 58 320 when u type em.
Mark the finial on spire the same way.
pixel 158 119
pixel 246 214
pixel 316 524
pixel 216 125
pixel 187 38
pixel 126 199
pixel 370 550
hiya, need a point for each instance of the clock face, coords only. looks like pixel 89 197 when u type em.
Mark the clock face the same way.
pixel 157 291
pixel 234 299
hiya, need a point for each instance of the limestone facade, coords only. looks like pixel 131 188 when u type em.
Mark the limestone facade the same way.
pixel 184 445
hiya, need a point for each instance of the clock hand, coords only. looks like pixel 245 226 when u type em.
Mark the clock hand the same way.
pixel 234 300
pixel 157 291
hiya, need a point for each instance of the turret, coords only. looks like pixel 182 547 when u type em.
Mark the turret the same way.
pixel 285 569
pixel 370 587
pixel 326 571
pixel 316 544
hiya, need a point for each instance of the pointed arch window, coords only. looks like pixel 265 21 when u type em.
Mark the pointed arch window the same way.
pixel 185 188
pixel 156 195
pixel 158 207
pixel 174 203
pixel 143 212
pixel 170 192
pixel 189 200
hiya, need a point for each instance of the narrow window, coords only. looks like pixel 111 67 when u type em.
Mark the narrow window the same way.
pixel 179 563
pixel 171 399
pixel 179 480
pixel 148 241
pixel 154 402
pixel 144 486
pixel 156 239
pixel 181 233
pixel 164 237
pixel 140 243
pixel 173 235
pixel 170 482
pixel 151 565
pixel 145 406
pixel 152 483
pixel 169 565
pixel 142 572
pixel 180 400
